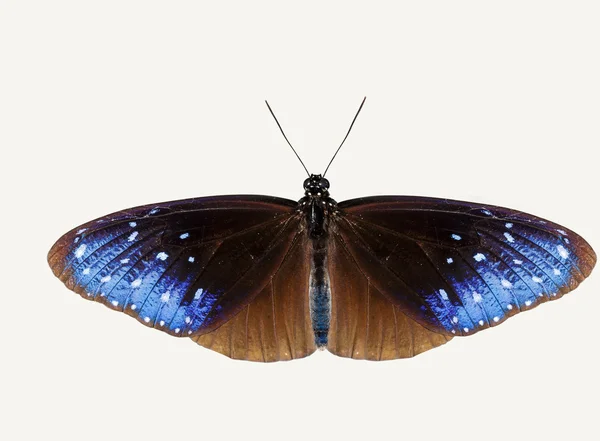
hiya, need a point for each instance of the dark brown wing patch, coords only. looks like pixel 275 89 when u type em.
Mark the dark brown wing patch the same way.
pixel 364 324
pixel 276 325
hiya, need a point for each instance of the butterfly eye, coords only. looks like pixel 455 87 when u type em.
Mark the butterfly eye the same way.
pixel 324 183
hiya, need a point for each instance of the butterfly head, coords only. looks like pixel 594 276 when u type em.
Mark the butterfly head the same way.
pixel 316 185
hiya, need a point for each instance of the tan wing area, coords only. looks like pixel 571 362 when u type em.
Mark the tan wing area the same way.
pixel 364 324
pixel 276 325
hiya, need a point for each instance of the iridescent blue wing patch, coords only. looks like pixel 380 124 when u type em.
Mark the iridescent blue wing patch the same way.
pixel 458 267
pixel 183 267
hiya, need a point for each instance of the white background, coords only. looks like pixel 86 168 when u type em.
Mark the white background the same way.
pixel 112 104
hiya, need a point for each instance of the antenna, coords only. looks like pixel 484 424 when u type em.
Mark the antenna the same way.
pixel 289 143
pixel 338 149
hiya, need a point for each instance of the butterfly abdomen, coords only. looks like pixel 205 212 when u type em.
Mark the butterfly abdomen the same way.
pixel 319 294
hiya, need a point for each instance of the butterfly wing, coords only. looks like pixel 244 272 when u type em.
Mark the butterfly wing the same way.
pixel 188 267
pixel 276 325
pixel 449 267
pixel 365 324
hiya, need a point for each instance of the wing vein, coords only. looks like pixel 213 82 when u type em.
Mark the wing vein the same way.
pixel 575 266
pixel 391 271
pixel 504 246
pixel 273 318
pixel 142 257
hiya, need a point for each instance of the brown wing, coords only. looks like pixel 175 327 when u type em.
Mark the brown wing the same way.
pixel 364 324
pixel 276 324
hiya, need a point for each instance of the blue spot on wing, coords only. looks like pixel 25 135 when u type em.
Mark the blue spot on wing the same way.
pixel 538 263
pixel 517 266
pixel 124 266
pixel 106 263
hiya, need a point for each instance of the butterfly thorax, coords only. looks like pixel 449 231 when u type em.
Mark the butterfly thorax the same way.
pixel 317 205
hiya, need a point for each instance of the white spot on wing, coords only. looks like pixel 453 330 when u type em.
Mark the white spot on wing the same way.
pixel 479 257
pixel 455 319
pixel 115 303
pixel 556 271
pixel 536 279
pixel 86 271
pixel 456 237
pixel 509 237
pixel 132 224
pixel 477 297
pixel 449 260
pixel 508 225
pixel 105 279
pixel 506 283
pixel 198 294
pixel 188 319
pixel 517 262
pixel 496 319
pixel 133 307
pixel 481 322
pixel 165 296
pixel 162 256
pixel 443 294
pixel 563 232
pixel 132 236
pixel 509 306
pixel 147 319
pixel 124 260
pixel 184 236
pixel 528 303
pixel 161 323
pixel 562 251
pixel 136 283
pixel 79 251
pixel 81 231
pixel 191 259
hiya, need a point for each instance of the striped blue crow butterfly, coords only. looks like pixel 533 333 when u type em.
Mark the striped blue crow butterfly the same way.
pixel 266 279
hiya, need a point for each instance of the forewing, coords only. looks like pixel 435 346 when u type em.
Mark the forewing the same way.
pixel 183 267
pixel 457 267
pixel 276 324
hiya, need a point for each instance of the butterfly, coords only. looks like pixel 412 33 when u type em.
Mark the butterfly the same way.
pixel 263 278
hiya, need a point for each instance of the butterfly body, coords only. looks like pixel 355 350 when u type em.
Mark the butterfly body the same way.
pixel 265 279
pixel 317 207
